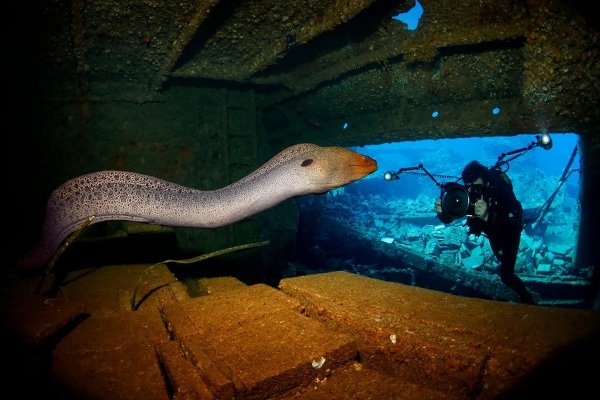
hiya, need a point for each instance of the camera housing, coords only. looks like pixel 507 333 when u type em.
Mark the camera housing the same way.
pixel 459 200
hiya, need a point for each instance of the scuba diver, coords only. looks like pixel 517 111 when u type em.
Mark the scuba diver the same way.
pixel 499 215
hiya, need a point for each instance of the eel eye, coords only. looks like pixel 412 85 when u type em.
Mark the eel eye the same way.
pixel 307 162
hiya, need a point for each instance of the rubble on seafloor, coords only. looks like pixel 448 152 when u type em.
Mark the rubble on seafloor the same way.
pixel 402 240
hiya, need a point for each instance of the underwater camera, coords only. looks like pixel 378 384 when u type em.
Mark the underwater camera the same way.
pixel 459 200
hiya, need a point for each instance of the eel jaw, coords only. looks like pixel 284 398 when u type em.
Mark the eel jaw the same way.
pixel 362 166
pixel 355 165
pixel 346 166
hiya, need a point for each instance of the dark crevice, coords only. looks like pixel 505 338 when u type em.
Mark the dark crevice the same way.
pixel 220 13
pixel 169 387
pixel 355 31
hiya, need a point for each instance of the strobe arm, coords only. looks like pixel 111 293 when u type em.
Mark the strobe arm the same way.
pixel 544 141
pixel 392 176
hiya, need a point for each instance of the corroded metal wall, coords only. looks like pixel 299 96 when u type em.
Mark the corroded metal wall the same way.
pixel 202 138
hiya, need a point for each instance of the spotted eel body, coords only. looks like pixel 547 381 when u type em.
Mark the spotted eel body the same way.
pixel 118 195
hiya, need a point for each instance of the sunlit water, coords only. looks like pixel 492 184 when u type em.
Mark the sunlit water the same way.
pixel 385 220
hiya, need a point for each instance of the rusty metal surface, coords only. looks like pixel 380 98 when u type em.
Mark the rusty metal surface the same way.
pixel 245 37
pixel 137 41
pixel 324 51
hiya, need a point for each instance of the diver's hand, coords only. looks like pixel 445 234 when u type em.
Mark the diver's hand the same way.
pixel 481 209
pixel 438 206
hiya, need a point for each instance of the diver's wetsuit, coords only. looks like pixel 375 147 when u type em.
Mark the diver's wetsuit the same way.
pixel 503 229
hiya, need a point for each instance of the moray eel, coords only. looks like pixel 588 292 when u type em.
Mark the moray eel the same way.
pixel 117 195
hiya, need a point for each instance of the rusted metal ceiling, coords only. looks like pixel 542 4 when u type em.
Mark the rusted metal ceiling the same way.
pixel 242 39
pixel 327 50
pixel 148 42
pixel 296 45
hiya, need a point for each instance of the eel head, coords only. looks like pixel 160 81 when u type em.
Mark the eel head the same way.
pixel 326 168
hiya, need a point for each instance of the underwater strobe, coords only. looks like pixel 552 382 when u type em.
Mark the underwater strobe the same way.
pixel 388 176
pixel 544 141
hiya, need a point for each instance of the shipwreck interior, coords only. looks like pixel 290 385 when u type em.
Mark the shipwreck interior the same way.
pixel 203 92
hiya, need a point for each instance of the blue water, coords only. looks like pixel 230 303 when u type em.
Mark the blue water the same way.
pixel 449 156
pixel 392 156
pixel 411 17
pixel 345 228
